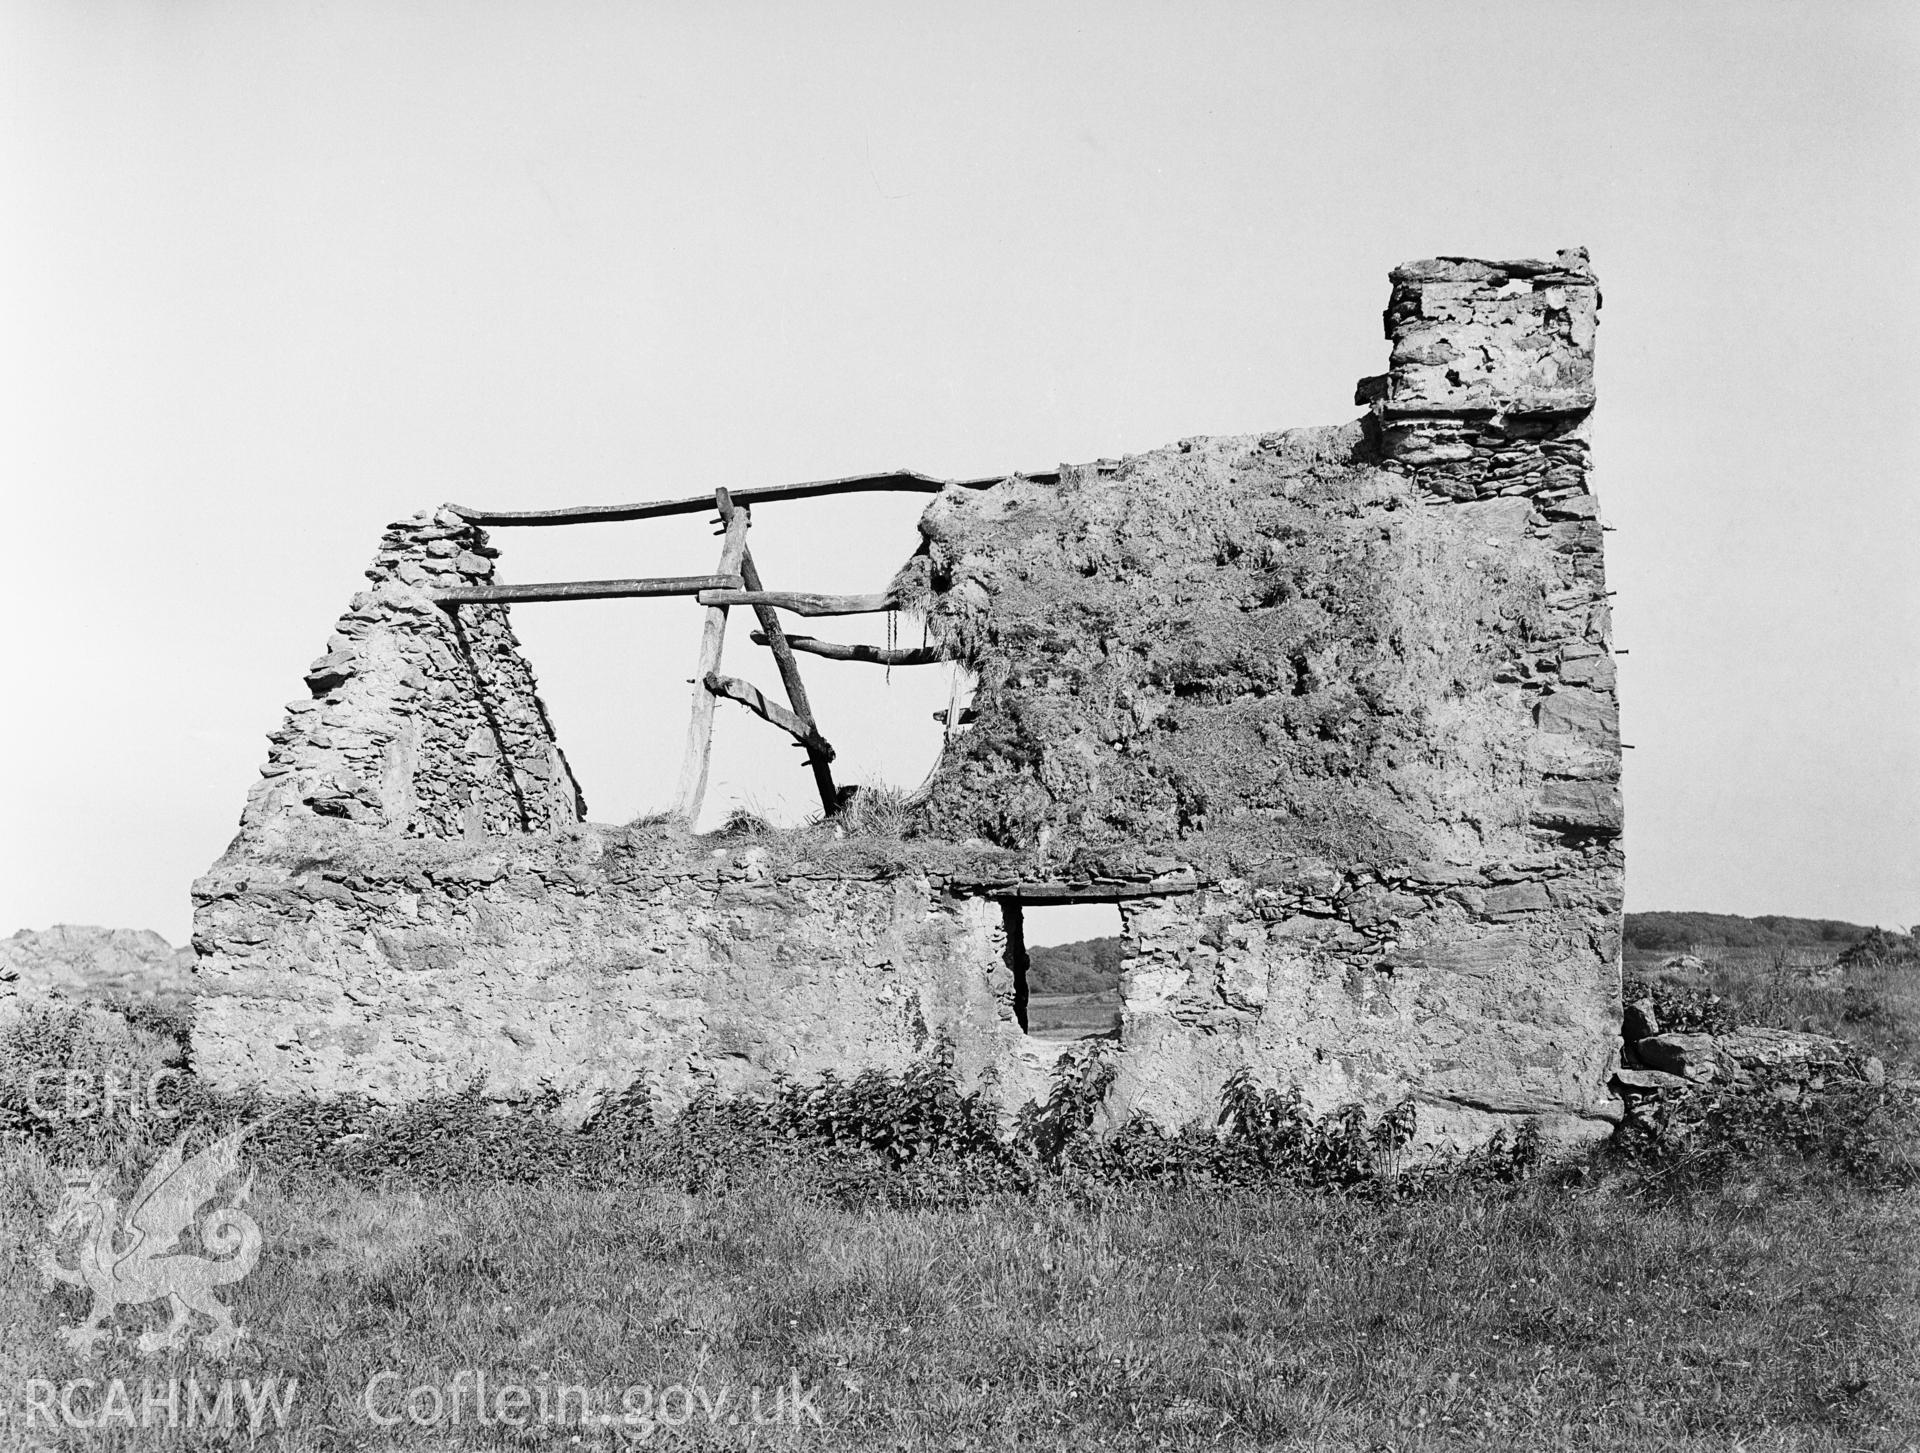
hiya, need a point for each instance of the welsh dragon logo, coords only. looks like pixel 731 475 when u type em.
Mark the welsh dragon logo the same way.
pixel 126 1263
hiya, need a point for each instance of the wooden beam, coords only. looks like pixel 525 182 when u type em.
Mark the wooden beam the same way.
pixel 802 602
pixel 1042 894
pixel 588 589
pixel 899 479
pixel 713 636
pixel 773 635
pixel 877 655
pixel 755 701
pixel 1015 924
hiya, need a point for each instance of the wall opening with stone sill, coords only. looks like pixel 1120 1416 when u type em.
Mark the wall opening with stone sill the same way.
pixel 1065 959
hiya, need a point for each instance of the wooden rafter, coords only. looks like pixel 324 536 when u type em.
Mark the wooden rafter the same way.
pixel 756 701
pixel 773 635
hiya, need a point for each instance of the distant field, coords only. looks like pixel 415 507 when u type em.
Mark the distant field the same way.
pixel 1072 1016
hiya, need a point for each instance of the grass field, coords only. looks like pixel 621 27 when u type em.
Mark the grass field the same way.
pixel 1073 1016
pixel 1877 1006
pixel 1777 1311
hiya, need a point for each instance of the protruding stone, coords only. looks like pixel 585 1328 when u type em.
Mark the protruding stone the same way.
pixel 330 672
pixel 1583 805
pixel 1638 1021
pixel 1648 1081
pixel 1678 1054
pixel 1588 715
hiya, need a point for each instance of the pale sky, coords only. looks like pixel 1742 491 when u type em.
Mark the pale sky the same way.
pixel 275 274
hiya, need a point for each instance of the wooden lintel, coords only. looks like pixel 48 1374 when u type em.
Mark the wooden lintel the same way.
pixel 899 479
pixel 802 602
pixel 877 655
pixel 1040 894
pixel 755 701
pixel 586 589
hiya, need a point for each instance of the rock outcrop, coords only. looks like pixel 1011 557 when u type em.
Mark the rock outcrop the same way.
pixel 74 962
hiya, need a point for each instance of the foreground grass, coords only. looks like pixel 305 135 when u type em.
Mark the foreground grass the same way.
pixel 1547 1319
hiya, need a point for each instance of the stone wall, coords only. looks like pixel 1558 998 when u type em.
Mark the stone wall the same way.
pixel 419 722
pixel 576 963
pixel 1331 710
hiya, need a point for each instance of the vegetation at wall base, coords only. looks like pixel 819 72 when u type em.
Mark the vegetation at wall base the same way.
pixel 919 1138
pixel 1752 1142
pixel 915 1138
pixel 1684 1008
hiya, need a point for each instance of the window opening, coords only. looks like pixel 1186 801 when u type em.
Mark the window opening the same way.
pixel 1066 968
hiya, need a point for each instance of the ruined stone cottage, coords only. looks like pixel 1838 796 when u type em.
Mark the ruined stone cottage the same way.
pixel 1328 712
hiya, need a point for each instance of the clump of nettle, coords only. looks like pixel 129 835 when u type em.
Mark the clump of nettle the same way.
pixel 1771 1130
pixel 916 1137
pixel 913 1137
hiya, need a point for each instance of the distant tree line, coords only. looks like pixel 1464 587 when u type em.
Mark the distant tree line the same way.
pixel 1090 966
pixel 1679 931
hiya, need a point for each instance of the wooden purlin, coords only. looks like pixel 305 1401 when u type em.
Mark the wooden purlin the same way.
pixel 774 636
pixel 899 479
pixel 804 602
pixel 874 655
pixel 586 589
pixel 713 638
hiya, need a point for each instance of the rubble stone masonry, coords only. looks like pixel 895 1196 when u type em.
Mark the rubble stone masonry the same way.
pixel 1330 712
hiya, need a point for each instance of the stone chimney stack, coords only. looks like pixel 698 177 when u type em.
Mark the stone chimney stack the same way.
pixel 1484 348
